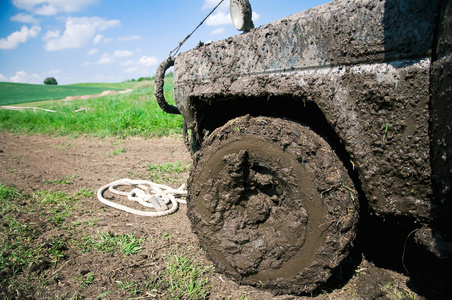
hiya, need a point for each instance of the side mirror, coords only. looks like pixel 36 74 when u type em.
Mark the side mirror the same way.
pixel 241 14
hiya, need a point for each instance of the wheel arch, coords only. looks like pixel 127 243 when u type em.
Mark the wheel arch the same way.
pixel 214 112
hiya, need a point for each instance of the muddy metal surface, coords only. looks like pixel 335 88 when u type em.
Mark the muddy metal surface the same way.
pixel 372 78
pixel 365 66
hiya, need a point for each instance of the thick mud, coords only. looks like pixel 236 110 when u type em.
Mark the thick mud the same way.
pixel 272 204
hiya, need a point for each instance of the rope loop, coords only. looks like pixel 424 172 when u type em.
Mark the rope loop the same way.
pixel 148 194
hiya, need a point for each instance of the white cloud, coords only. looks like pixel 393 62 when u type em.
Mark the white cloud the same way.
pixel 129 38
pixel 52 7
pixel 148 61
pixel 22 76
pixel 110 58
pixel 256 16
pixel 79 31
pixel 46 10
pixel 127 63
pixel 106 59
pixel 141 66
pixel 122 53
pixel 218 19
pixel 24 18
pixel 97 39
pixel 131 70
pixel 93 51
pixel 14 39
pixel 52 72
pixel 219 30
pixel 106 41
pixel 212 3
pixel 98 78
pixel 51 34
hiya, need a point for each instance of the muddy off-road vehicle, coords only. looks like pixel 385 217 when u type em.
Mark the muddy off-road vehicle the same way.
pixel 303 128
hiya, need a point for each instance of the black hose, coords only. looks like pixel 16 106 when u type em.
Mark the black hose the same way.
pixel 158 87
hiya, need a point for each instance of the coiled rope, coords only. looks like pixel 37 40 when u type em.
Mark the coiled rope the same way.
pixel 148 194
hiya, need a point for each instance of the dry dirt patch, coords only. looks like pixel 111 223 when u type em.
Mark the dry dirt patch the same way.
pixel 33 163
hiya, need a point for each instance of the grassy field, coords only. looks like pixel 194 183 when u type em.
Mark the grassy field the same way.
pixel 14 93
pixel 31 259
pixel 133 114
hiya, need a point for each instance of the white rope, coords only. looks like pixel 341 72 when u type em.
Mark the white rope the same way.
pixel 148 194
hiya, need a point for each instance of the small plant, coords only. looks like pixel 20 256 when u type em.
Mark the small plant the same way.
pixel 57 216
pixel 127 244
pixel 185 278
pixel 397 293
pixel 100 296
pixel 60 204
pixel 386 131
pixel 118 151
pixel 167 235
pixel 131 287
pixel 56 249
pixel 66 180
pixel 86 280
pixel 48 197
pixel 8 193
pixel 84 193
pixel 64 146
pixel 17 251
pixel 105 242
pixel 167 172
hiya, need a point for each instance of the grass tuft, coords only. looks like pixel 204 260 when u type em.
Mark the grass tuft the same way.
pixel 185 278
pixel 127 244
pixel 167 172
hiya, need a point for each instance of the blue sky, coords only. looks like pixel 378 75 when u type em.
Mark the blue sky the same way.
pixel 112 40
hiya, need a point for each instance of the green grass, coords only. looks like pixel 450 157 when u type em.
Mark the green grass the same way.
pixel 167 172
pixel 184 278
pixel 14 93
pixel 18 249
pixel 30 259
pixel 60 203
pixel 118 151
pixel 133 114
pixel 66 180
pixel 15 252
pixel 126 244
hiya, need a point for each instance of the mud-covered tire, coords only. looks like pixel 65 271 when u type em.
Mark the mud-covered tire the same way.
pixel 272 204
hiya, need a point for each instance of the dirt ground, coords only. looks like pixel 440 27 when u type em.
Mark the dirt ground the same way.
pixel 28 162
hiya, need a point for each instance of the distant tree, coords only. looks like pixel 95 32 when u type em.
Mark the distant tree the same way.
pixel 50 81
pixel 144 78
